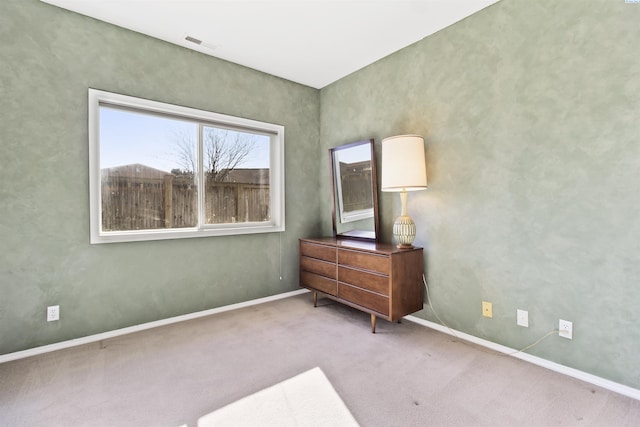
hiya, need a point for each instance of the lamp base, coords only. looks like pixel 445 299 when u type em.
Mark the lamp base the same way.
pixel 404 232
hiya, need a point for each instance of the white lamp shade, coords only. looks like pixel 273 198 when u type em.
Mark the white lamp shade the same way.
pixel 403 163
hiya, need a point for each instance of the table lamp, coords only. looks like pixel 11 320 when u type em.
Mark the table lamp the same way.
pixel 403 169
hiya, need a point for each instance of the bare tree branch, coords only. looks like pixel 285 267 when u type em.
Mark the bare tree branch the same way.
pixel 185 151
pixel 224 151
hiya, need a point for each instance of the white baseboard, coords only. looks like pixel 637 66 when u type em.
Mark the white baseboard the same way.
pixel 118 332
pixel 575 373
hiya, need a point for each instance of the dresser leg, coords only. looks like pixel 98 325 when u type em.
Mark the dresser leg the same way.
pixel 315 299
pixel 373 324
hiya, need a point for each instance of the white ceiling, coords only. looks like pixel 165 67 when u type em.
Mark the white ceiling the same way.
pixel 312 42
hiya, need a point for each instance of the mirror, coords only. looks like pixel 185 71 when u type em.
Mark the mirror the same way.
pixel 355 195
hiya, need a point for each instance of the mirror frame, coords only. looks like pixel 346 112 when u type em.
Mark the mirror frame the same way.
pixel 354 234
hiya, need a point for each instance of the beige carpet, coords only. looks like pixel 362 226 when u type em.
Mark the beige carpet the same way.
pixel 404 375
pixel 306 400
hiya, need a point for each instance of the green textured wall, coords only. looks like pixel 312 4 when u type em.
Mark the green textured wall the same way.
pixel 531 116
pixel 49 57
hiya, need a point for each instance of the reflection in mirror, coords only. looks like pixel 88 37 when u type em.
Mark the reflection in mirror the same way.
pixel 355 201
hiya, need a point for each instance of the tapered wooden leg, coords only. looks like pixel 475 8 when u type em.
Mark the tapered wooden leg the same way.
pixel 315 299
pixel 373 324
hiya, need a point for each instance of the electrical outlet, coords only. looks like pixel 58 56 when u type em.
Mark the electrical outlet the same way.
pixel 566 329
pixel 522 317
pixel 53 313
pixel 487 309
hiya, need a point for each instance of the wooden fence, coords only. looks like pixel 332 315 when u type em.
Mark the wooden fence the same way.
pixel 138 203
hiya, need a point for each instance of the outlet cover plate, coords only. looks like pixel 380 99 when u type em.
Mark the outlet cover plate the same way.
pixel 566 329
pixel 487 309
pixel 53 313
pixel 522 317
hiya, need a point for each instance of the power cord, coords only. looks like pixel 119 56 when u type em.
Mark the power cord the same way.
pixel 426 286
pixel 555 331
pixel 453 332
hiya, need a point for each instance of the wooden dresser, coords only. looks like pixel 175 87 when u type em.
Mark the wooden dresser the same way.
pixel 376 278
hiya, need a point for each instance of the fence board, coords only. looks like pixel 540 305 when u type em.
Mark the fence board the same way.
pixel 134 203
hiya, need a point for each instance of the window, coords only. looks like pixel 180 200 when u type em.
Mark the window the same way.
pixel 161 171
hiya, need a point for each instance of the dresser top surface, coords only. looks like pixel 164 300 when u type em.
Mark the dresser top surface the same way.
pixel 364 245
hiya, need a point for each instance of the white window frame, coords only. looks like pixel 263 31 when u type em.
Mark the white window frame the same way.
pixel 276 223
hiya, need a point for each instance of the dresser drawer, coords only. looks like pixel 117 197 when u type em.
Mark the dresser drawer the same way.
pixel 323 268
pixel 366 299
pixel 377 278
pixel 370 281
pixel 365 261
pixel 326 253
pixel 320 283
